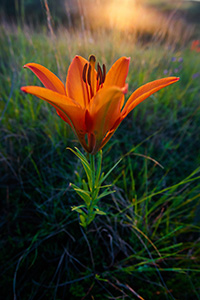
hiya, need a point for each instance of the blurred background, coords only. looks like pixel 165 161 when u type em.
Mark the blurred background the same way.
pixel 149 17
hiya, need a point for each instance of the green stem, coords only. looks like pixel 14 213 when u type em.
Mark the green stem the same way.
pixel 92 188
pixel 92 163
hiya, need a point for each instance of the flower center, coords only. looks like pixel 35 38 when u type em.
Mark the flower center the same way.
pixel 93 79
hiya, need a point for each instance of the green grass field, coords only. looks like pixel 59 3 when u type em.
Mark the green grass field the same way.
pixel 147 246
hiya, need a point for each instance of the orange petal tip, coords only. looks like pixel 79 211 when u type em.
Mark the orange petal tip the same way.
pixel 29 65
pixel 23 89
pixel 26 65
pixel 176 78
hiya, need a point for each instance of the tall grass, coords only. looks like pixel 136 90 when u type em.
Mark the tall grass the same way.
pixel 147 247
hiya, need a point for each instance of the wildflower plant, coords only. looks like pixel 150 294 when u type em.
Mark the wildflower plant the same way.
pixel 93 104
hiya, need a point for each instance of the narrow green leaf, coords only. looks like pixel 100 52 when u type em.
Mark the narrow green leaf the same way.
pixel 83 221
pixel 85 195
pixel 85 164
pixel 78 210
pixel 105 193
pixel 167 235
pixel 97 276
pixel 105 176
pixel 80 156
pixel 100 212
pixel 77 207
pixel 85 186
pixel 170 247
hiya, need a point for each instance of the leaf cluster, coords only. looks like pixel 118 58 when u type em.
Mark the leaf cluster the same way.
pixel 92 190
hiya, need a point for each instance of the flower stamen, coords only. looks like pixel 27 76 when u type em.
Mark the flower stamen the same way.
pixel 94 81
pixel 89 75
pixel 84 73
pixel 85 81
pixel 104 73
pixel 92 59
pixel 99 74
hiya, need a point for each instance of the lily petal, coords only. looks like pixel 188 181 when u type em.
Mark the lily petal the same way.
pixel 117 74
pixel 50 80
pixel 144 92
pixel 107 138
pixel 67 108
pixel 75 86
pixel 104 110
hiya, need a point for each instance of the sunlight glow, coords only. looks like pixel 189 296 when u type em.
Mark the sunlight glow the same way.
pixel 123 16
pixel 129 17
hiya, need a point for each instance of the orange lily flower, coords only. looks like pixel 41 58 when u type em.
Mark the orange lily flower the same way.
pixel 92 102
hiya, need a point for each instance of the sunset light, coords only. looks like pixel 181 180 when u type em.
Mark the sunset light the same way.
pixel 132 17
